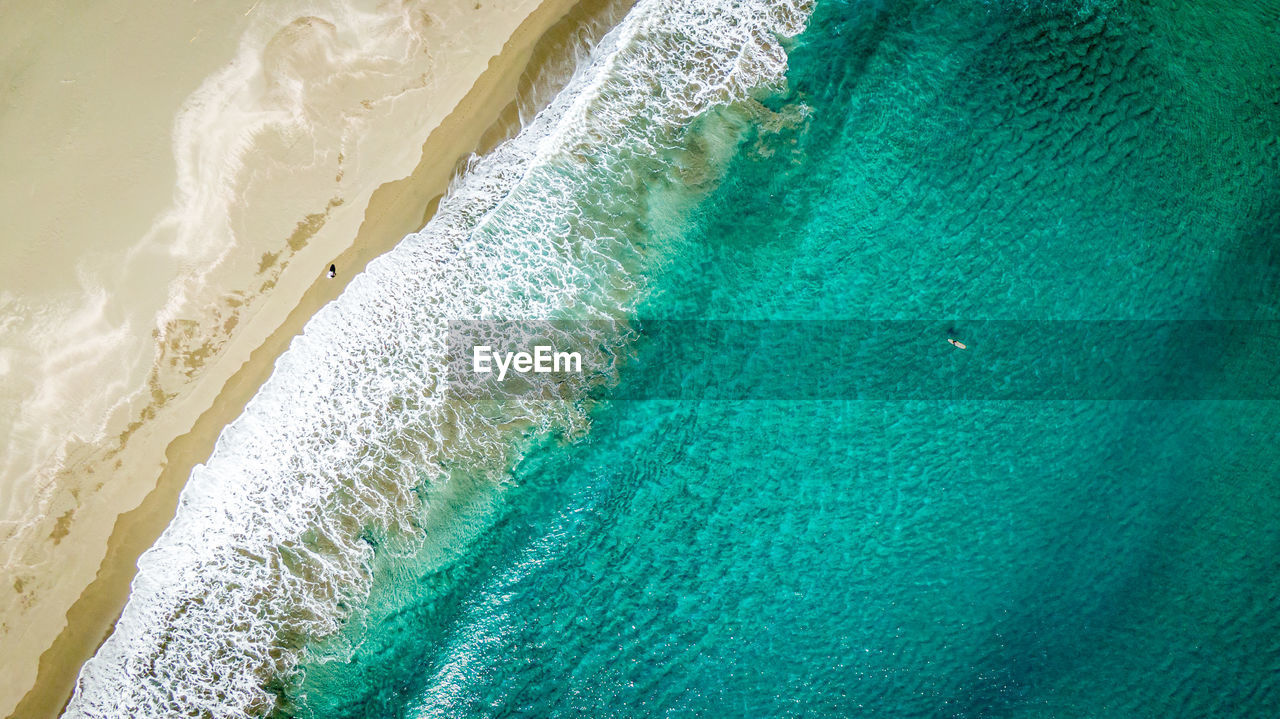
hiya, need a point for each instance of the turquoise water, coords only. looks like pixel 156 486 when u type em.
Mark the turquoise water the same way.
pixel 926 557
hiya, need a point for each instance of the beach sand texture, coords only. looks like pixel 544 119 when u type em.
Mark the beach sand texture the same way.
pixel 176 179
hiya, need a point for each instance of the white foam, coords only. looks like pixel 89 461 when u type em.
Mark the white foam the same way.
pixel 268 547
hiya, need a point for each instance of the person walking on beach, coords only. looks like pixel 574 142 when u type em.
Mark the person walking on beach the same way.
pixel 333 271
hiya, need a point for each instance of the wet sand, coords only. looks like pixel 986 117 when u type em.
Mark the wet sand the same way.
pixel 119 494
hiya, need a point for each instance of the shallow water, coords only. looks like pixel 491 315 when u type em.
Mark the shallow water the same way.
pixel 901 557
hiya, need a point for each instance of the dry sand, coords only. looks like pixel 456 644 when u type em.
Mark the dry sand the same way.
pixel 159 268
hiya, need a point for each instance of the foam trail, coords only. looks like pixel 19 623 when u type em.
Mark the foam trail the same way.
pixel 271 545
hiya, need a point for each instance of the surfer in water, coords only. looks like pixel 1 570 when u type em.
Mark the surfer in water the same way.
pixel 333 271
pixel 957 344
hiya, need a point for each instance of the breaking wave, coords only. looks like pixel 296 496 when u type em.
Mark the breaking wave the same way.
pixel 272 543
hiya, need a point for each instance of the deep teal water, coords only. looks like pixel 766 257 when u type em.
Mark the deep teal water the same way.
pixel 920 558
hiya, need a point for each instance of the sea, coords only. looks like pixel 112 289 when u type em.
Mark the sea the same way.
pixel 1076 515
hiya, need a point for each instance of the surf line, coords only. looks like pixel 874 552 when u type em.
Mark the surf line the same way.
pixel 544 359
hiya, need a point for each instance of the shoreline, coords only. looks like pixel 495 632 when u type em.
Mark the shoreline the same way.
pixel 487 113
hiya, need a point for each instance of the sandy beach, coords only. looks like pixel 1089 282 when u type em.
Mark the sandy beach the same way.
pixel 176 180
